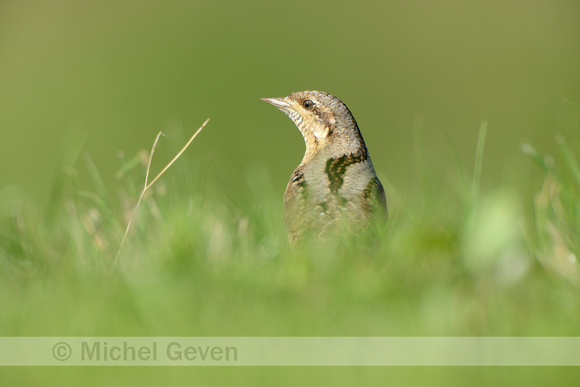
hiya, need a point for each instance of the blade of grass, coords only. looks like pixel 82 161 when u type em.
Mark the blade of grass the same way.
pixel 460 168
pixel 68 157
pixel 104 202
pixel 571 101
pixel 478 163
pixel 569 159
pixel 128 166
pixel 535 156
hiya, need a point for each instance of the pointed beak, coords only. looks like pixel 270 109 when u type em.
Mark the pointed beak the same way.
pixel 278 102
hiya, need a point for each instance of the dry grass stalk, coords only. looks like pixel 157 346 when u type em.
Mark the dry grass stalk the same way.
pixel 148 184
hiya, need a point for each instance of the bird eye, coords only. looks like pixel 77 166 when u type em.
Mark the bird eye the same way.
pixel 308 104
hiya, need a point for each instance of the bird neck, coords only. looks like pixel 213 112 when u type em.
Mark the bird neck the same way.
pixel 333 147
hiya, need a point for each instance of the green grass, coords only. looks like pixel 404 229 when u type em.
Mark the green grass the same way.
pixel 454 260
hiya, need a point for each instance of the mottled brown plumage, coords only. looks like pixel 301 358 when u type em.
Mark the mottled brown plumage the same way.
pixel 335 184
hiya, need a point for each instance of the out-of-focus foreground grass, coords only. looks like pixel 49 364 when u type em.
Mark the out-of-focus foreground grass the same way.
pixel 207 253
pixel 454 260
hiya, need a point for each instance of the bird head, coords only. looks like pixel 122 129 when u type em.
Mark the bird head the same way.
pixel 321 118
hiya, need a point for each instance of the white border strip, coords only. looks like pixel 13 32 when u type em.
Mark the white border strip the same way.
pixel 289 351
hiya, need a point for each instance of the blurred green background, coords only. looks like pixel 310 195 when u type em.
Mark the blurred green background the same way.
pixel 411 72
pixel 418 76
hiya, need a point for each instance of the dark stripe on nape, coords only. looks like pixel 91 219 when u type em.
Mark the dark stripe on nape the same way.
pixel 336 167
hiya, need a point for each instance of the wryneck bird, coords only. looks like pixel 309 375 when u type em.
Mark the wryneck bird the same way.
pixel 335 185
